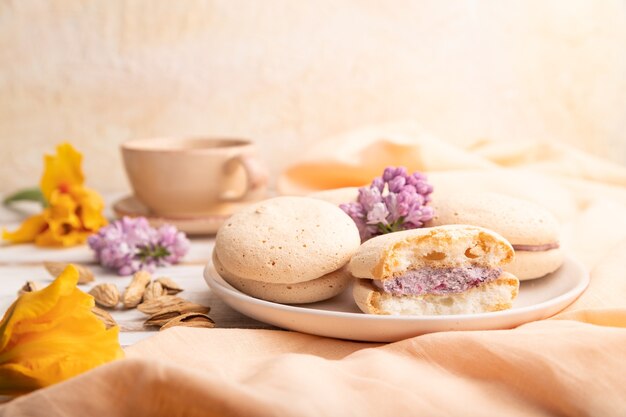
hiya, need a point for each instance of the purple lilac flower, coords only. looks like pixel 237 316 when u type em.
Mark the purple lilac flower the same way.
pixel 394 201
pixel 131 244
pixel 369 197
pixel 378 214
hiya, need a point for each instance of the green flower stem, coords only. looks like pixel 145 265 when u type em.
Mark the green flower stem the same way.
pixel 390 228
pixel 153 252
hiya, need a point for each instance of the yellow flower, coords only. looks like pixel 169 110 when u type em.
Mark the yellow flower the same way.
pixel 50 335
pixel 62 171
pixel 74 211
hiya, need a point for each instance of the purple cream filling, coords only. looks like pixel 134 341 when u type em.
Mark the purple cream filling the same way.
pixel 536 248
pixel 439 281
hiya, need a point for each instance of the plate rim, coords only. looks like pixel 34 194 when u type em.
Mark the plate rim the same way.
pixel 573 293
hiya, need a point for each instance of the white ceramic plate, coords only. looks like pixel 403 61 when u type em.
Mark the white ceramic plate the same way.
pixel 339 317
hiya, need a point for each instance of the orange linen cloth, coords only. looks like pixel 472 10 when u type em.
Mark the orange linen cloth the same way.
pixel 573 364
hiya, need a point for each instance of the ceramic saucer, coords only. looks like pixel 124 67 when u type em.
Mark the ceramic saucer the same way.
pixel 197 225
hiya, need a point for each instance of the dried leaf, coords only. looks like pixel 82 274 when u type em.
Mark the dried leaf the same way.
pixel 30 286
pixel 134 292
pixel 84 274
pixel 169 284
pixel 103 315
pixel 106 295
pixel 190 320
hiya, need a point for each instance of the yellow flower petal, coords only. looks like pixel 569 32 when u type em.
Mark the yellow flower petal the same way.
pixel 90 205
pixel 62 170
pixel 62 237
pixel 58 357
pixel 28 230
pixel 50 335
pixel 64 226
pixel 62 204
pixel 36 304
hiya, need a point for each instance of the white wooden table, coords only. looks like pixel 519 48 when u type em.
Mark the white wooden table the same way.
pixel 21 263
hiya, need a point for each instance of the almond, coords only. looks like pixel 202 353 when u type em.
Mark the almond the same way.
pixel 56 268
pixel 103 315
pixel 153 291
pixel 163 316
pixel 106 295
pixel 168 302
pixel 30 286
pixel 135 290
pixel 190 320
pixel 169 284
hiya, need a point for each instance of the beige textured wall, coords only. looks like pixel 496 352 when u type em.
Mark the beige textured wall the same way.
pixel 290 72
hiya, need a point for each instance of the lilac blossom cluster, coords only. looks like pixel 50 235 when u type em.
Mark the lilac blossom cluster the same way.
pixel 396 201
pixel 131 244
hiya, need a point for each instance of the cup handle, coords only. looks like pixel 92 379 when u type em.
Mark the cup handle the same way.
pixel 256 175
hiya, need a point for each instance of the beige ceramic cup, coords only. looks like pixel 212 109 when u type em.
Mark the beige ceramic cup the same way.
pixel 186 177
